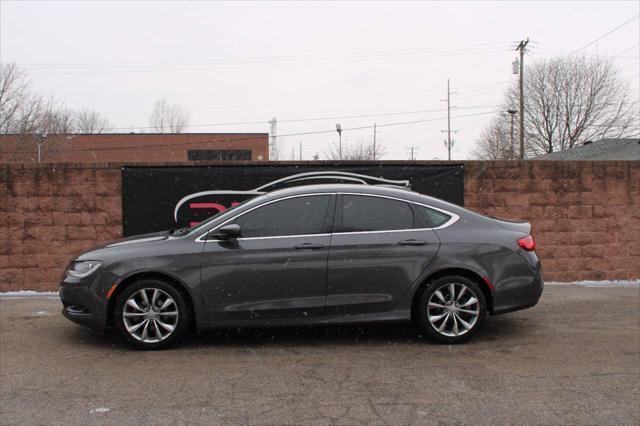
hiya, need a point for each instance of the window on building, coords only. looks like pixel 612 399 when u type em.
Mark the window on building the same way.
pixel 219 154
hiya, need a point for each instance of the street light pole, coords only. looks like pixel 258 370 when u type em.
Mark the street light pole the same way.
pixel 42 137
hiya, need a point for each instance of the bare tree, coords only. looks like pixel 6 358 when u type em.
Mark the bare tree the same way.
pixel 90 121
pixel 168 118
pixel 569 100
pixel 494 142
pixel 23 112
pixel 358 151
pixel 14 91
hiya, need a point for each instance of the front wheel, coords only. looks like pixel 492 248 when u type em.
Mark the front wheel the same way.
pixel 451 309
pixel 151 314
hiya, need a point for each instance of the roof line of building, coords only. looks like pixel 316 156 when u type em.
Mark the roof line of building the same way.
pixel 142 134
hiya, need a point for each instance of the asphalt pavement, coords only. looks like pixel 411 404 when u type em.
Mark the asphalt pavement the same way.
pixel 572 359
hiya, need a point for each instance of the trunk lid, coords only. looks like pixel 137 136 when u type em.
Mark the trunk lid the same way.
pixel 514 225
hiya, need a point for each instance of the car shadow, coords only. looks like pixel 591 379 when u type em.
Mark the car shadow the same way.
pixel 503 328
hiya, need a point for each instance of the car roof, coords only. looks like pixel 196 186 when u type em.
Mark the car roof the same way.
pixel 395 192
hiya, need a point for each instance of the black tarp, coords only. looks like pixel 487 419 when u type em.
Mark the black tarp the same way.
pixel 150 195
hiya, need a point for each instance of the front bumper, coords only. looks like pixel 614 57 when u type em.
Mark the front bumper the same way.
pixel 81 304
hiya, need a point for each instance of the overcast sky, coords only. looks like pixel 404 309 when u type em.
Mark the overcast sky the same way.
pixel 249 62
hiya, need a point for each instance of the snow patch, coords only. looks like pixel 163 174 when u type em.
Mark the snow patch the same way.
pixel 603 283
pixel 41 313
pixel 99 410
pixel 23 294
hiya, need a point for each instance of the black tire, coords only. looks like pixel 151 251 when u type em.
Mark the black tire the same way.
pixel 165 291
pixel 447 334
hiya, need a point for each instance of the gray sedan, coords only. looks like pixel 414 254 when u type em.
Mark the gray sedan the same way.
pixel 318 254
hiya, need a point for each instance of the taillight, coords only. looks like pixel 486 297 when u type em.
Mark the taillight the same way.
pixel 527 243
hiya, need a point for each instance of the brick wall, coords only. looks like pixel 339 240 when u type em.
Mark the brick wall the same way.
pixel 49 214
pixel 585 215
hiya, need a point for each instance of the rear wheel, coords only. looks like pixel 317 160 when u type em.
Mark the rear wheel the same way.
pixel 451 309
pixel 151 314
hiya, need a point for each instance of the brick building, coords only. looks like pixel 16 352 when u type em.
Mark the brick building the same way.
pixel 136 147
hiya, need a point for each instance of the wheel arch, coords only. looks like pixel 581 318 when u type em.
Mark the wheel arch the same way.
pixel 122 285
pixel 467 273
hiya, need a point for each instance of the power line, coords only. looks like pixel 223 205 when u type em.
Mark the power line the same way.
pixel 625 51
pixel 564 16
pixel 299 120
pixel 607 33
pixel 481 86
pixel 349 54
pixel 486 91
pixel 269 64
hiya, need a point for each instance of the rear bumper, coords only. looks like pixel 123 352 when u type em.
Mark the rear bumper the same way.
pixel 519 297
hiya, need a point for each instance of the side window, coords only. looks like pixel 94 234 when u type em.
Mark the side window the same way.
pixel 432 218
pixel 293 216
pixel 363 213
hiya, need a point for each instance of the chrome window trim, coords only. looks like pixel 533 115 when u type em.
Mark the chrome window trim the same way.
pixel 280 237
pixel 202 237
pixel 454 218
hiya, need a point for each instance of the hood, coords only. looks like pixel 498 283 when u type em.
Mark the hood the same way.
pixel 139 239
pixel 96 253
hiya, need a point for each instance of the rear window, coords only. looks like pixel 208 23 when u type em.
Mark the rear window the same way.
pixel 432 218
pixel 365 214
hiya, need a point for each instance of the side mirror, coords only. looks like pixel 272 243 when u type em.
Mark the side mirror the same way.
pixel 225 232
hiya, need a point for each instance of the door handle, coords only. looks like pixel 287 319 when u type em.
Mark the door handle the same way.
pixel 412 242
pixel 308 246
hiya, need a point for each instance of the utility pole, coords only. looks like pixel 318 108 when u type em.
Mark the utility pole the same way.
pixel 374 141
pixel 448 121
pixel 300 150
pixel 449 143
pixel 521 47
pixel 339 130
pixel 412 152
pixel 512 113
pixel 273 139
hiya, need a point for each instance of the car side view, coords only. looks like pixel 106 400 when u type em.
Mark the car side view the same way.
pixel 314 254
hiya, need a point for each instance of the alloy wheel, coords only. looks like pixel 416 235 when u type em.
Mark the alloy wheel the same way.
pixel 453 309
pixel 150 315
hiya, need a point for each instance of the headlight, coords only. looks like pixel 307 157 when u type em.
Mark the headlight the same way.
pixel 82 268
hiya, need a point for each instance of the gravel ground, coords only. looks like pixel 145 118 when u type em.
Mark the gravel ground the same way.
pixel 574 359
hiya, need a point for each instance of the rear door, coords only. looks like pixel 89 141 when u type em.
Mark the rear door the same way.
pixel 379 248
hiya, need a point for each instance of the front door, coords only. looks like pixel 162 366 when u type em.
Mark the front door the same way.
pixel 277 268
